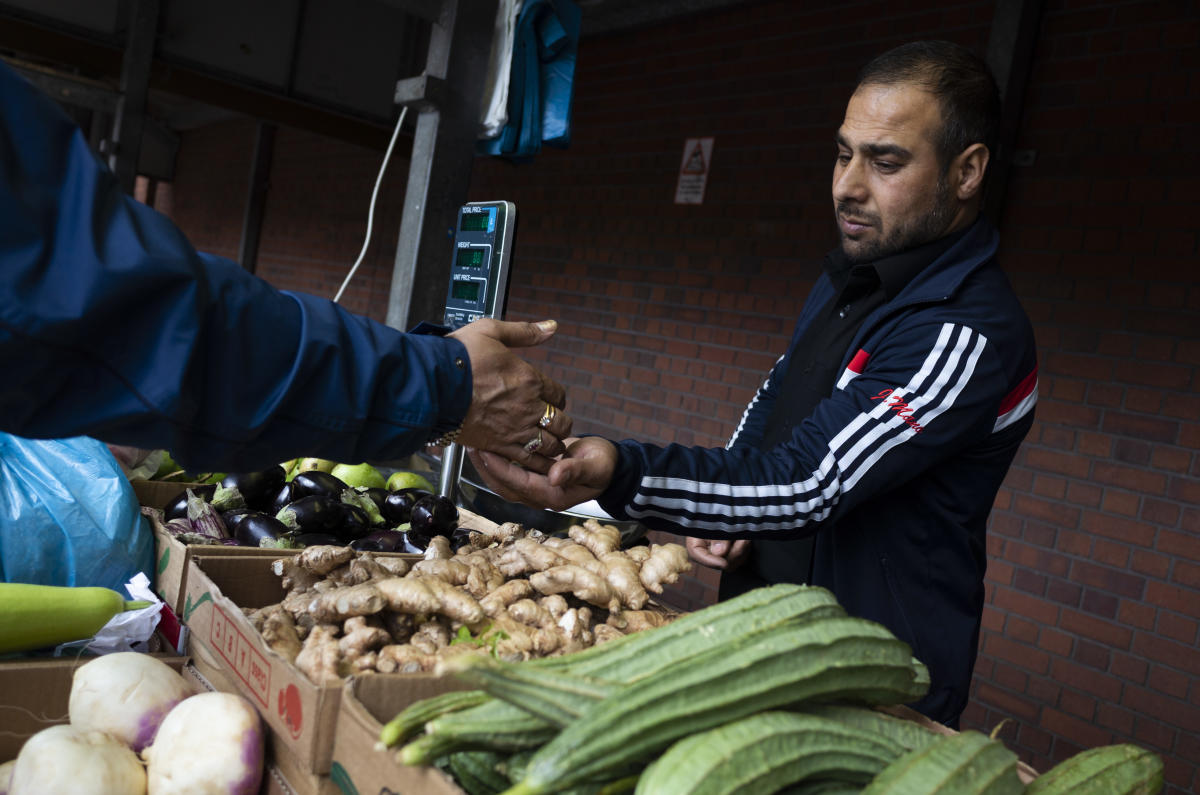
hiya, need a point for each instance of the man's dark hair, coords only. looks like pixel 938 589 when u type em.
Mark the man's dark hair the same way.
pixel 958 78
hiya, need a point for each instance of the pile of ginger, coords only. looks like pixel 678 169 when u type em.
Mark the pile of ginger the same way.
pixel 510 592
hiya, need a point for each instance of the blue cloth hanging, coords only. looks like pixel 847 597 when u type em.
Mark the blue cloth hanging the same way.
pixel 542 81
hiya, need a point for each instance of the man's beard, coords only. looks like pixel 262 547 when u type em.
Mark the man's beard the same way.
pixel 922 229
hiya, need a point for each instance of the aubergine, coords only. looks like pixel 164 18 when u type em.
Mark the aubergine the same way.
pixel 317 513
pixel 434 515
pixel 254 527
pixel 235 515
pixel 283 497
pixel 317 540
pixel 258 488
pixel 376 495
pixel 382 541
pixel 177 508
pixel 355 523
pixel 314 482
pixel 397 506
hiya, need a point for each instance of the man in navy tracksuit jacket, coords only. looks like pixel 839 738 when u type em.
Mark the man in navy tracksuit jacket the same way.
pixel 884 432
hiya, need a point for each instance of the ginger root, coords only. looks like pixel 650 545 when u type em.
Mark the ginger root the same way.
pixel 323 558
pixel 576 580
pixel 664 565
pixel 506 594
pixel 359 637
pixel 600 539
pixel 342 603
pixel 279 632
pixel 320 659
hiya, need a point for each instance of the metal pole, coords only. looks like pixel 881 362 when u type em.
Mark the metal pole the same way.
pixel 443 152
pixel 126 140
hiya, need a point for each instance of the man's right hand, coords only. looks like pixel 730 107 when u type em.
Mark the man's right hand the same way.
pixel 718 554
pixel 515 411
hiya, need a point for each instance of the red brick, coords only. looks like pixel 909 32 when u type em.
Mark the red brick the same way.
pixel 1084 494
pixel 1062 463
pixel 1007 702
pixel 1121 502
pixel 1115 718
pixel 1171 459
pixel 1152 734
pixel 1140 480
pixel 1108 579
pixel 1132 532
pixel 1136 614
pixel 1075 543
pixel 1178 599
pixel 1017 653
pixel 1160 512
pixel 1167 652
pixel 1110 553
pixel 1077 704
pixel 1180 545
pixel 1055 642
pixel 1185 490
pixel 1130 668
pixel 1074 729
pixel 1105 632
pixel 1177 628
pixel 1169 682
pixel 1148 702
pixel 1055 513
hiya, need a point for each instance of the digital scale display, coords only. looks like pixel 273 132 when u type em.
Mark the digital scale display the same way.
pixel 479 262
pixel 465 291
pixel 471 257
pixel 475 222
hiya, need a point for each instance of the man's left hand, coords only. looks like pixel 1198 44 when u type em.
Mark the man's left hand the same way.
pixel 582 474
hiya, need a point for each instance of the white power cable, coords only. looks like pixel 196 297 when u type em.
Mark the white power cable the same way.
pixel 371 210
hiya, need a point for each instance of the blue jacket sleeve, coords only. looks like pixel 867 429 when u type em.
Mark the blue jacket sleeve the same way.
pixel 113 326
pixel 927 392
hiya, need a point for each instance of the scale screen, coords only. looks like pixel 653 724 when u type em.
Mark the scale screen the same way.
pixel 475 222
pixel 479 262
pixel 471 257
pixel 465 291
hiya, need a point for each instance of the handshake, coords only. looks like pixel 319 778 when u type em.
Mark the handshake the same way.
pixel 517 430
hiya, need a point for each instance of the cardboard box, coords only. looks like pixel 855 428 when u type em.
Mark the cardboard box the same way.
pixel 300 714
pixel 367 703
pixel 283 773
pixel 34 694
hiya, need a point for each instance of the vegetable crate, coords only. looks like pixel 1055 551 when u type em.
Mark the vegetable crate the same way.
pixel 227 648
pixel 171 557
pixel 34 695
pixel 367 703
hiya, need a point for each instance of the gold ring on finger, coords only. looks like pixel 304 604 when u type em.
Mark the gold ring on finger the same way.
pixel 547 416
pixel 534 444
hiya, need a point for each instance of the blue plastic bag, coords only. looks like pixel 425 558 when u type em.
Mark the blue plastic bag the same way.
pixel 68 515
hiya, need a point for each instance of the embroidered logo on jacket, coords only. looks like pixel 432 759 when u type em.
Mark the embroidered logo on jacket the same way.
pixel 900 406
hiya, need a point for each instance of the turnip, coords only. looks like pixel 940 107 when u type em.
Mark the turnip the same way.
pixel 6 775
pixel 126 694
pixel 72 761
pixel 211 744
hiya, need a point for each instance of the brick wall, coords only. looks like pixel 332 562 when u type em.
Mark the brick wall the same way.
pixel 671 315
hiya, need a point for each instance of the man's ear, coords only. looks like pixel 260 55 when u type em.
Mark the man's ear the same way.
pixel 970 166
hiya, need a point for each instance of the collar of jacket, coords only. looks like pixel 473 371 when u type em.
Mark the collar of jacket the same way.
pixel 942 278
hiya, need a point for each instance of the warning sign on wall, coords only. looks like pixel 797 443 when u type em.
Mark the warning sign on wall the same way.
pixel 693 171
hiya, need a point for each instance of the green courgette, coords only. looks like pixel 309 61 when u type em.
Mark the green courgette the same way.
pixel 765 752
pixel 969 763
pixel 1121 769
pixel 829 659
